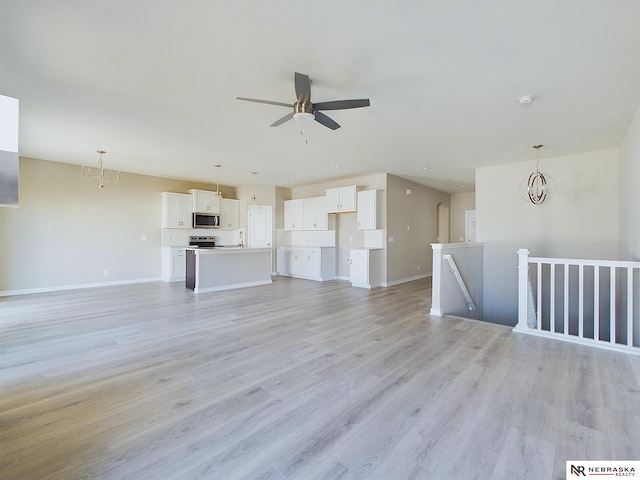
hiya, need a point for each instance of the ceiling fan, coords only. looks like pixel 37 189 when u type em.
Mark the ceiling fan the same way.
pixel 304 108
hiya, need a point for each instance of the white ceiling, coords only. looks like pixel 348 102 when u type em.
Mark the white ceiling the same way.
pixel 154 83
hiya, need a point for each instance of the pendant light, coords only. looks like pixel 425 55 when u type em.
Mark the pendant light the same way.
pixel 537 187
pixel 218 181
pixel 253 193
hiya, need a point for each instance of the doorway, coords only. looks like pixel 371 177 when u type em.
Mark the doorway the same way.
pixel 443 223
pixel 470 226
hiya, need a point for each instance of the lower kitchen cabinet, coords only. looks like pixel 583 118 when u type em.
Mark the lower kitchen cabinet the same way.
pixel 173 264
pixel 311 263
pixel 365 268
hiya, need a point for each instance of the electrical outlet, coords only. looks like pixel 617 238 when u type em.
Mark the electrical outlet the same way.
pixel 106 273
pixel 390 239
pixel 408 227
pixel 143 237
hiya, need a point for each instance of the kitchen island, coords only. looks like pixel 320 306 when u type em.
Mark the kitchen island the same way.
pixel 224 268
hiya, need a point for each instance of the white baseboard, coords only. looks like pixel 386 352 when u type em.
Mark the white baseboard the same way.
pixel 60 288
pixel 405 280
pixel 232 286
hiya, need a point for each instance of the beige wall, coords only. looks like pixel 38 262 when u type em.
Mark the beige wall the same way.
pixel 409 255
pixel 580 221
pixel 67 233
pixel 460 203
pixel 630 192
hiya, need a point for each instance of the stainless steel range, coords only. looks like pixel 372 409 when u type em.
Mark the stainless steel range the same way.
pixel 204 242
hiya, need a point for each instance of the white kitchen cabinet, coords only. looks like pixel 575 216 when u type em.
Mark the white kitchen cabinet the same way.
pixel 314 262
pixel 314 213
pixel 367 212
pixel 298 262
pixel 282 260
pixel 176 210
pixel 173 264
pixel 294 214
pixel 205 201
pixel 229 213
pixel 311 263
pixel 365 268
pixel 342 199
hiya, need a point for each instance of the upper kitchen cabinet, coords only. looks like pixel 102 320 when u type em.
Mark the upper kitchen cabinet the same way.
pixel 205 201
pixel 176 210
pixel 229 213
pixel 294 214
pixel 314 213
pixel 340 200
pixel 367 216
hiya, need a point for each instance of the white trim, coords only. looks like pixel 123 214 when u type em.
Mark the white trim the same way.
pixel 438 312
pixel 27 291
pixel 616 347
pixel 405 280
pixel 232 286
pixel 447 246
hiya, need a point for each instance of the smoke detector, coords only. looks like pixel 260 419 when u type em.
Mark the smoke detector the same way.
pixel 525 99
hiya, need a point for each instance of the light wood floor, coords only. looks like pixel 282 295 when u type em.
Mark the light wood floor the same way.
pixel 296 380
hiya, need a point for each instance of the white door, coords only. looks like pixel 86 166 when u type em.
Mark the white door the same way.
pixel 260 227
pixel 470 226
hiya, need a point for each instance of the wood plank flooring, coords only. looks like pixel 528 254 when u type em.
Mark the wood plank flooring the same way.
pixel 296 380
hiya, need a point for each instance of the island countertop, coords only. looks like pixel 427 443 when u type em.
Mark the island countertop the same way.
pixel 224 268
pixel 225 250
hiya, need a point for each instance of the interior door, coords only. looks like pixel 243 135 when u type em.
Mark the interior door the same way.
pixel 470 226
pixel 260 226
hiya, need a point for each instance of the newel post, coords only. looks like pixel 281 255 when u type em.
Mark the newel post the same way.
pixel 523 289
pixel 436 281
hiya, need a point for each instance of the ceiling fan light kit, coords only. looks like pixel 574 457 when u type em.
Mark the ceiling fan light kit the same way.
pixel 303 109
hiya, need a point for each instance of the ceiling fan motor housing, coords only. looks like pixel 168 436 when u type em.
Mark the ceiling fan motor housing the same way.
pixel 304 111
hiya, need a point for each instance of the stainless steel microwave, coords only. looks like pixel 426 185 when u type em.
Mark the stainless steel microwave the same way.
pixel 206 220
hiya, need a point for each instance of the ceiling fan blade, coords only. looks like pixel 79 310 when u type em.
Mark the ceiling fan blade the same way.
pixel 342 104
pixel 303 88
pixel 286 118
pixel 326 121
pixel 268 102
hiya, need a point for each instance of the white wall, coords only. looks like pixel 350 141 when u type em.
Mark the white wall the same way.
pixel 67 233
pixel 630 192
pixel 581 221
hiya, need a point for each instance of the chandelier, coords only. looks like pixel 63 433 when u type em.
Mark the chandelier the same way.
pixel 537 187
pixel 99 177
